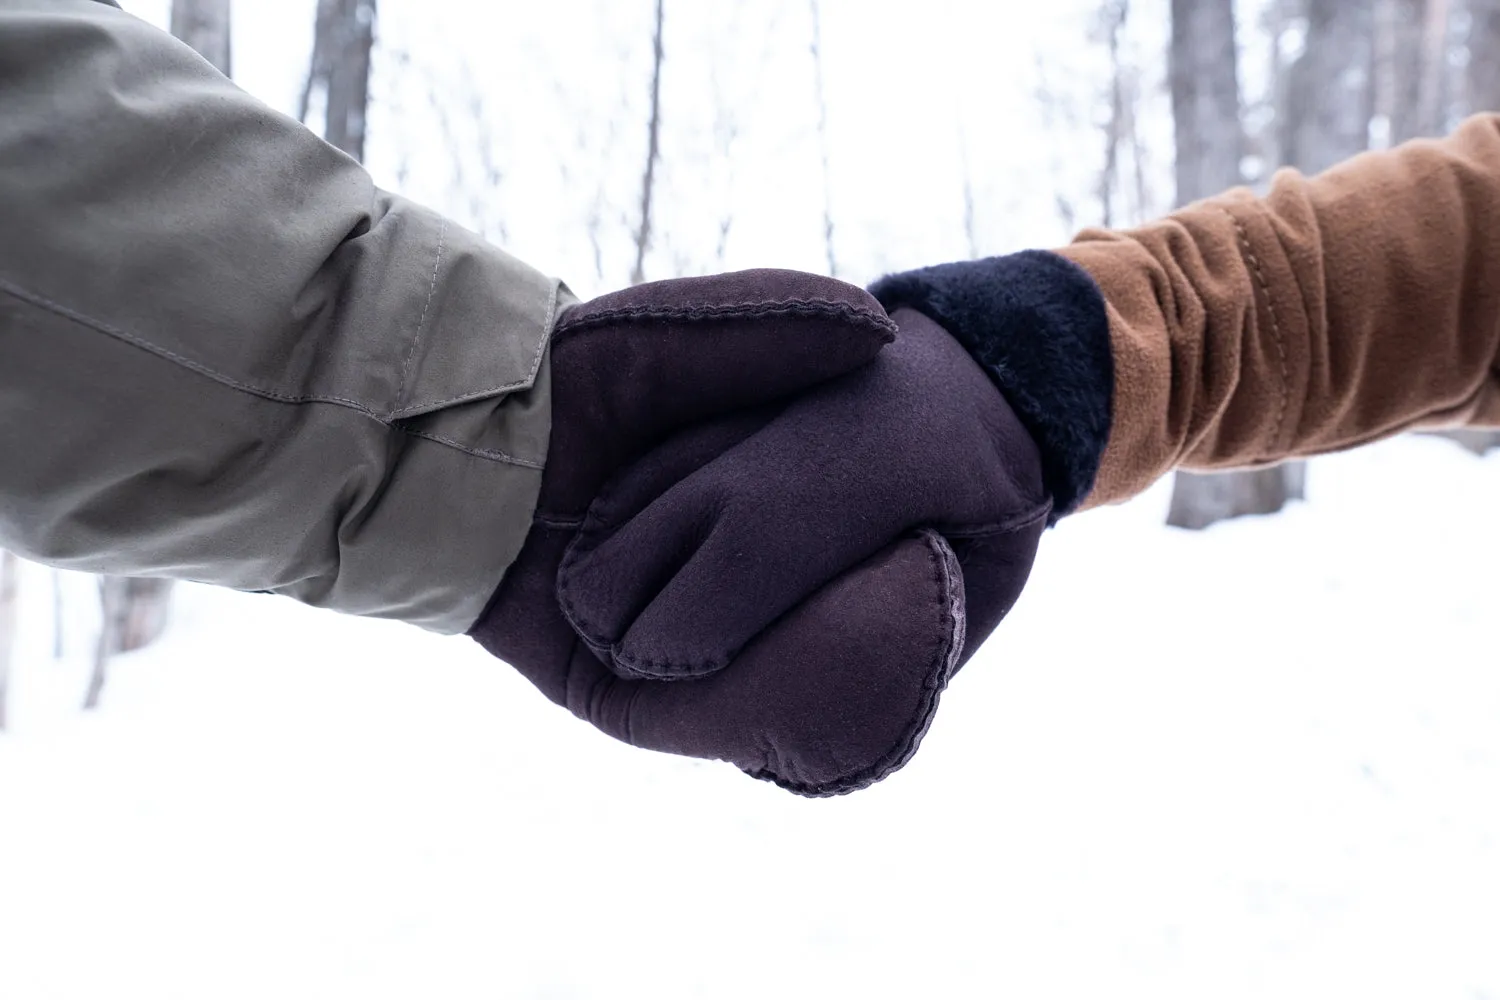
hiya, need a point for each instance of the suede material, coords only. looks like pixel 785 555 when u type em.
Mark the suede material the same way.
pixel 1037 323
pixel 833 699
pixel 1336 310
pixel 631 367
pixel 722 531
pixel 794 524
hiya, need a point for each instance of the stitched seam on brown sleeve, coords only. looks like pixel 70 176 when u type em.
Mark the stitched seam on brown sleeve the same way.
pixel 1265 289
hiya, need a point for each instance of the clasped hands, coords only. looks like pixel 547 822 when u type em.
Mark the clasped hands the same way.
pixel 773 523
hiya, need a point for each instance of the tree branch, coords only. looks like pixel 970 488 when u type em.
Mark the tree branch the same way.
pixel 653 153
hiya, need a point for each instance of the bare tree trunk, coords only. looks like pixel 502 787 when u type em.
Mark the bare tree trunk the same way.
pixel 1268 139
pixel 1210 139
pixel 726 132
pixel 57 615
pixel 9 595
pixel 317 67
pixel 653 153
pixel 1482 74
pixel 128 622
pixel 1398 91
pixel 1122 188
pixel 1202 499
pixel 1432 91
pixel 1474 440
pixel 142 618
pixel 1204 74
pixel 339 71
pixel 204 24
pixel 1133 134
pixel 148 607
pixel 349 78
pixel 1112 17
pixel 1417 85
pixel 822 102
pixel 971 226
pixel 1411 62
pixel 111 628
pixel 1331 95
pixel 1481 86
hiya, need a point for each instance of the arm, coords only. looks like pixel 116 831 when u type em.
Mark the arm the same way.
pixel 1243 331
pixel 1337 310
pixel 226 356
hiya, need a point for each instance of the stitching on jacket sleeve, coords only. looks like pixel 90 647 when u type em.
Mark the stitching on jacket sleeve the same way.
pixel 493 455
pixel 437 262
pixel 57 308
pixel 521 383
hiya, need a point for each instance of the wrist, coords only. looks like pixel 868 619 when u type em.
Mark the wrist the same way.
pixel 1036 322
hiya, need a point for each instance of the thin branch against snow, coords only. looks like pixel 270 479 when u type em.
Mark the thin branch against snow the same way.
pixel 57 615
pixel 653 153
pixel 966 176
pixel 112 604
pixel 339 72
pixel 205 25
pixel 821 99
pixel 1112 17
pixel 9 590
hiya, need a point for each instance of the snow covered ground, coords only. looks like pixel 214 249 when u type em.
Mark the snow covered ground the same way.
pixel 1260 761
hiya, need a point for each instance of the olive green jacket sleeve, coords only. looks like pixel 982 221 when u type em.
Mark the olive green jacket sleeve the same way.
pixel 226 356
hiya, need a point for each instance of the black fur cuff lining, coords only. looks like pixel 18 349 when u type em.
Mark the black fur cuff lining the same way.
pixel 1036 322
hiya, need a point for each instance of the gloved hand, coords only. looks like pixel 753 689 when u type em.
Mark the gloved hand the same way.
pixel 810 540
pixel 721 531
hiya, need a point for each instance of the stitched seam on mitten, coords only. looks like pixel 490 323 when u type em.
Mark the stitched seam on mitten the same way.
pixel 796 308
pixel 945 661
pixel 667 669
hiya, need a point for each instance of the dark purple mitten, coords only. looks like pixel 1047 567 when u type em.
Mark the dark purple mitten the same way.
pixel 785 588
pixel 631 369
pixel 721 531
pixel 821 540
pixel 833 698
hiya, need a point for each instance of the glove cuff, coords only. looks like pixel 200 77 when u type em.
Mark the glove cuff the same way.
pixel 1037 324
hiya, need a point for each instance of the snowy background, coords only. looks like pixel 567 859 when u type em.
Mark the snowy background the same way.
pixel 1258 761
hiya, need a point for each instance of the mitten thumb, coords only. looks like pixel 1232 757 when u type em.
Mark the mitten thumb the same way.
pixel 832 698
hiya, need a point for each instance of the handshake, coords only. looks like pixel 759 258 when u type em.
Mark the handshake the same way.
pixel 776 519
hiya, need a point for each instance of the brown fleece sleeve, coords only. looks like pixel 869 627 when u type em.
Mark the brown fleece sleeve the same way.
pixel 1336 310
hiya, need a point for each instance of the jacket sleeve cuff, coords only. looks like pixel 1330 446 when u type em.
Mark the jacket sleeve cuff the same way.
pixel 466 442
pixel 1036 322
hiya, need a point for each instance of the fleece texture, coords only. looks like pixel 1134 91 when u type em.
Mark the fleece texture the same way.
pixel 1335 310
pixel 1037 324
